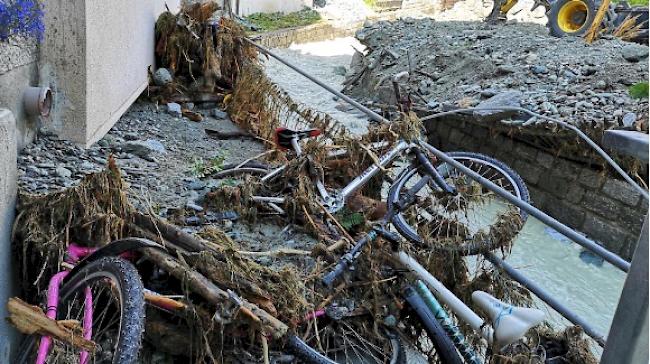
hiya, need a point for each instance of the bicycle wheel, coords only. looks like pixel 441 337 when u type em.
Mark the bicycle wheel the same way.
pixel 117 302
pixel 335 341
pixel 445 349
pixel 473 221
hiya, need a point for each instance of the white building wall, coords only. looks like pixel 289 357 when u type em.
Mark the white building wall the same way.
pixel 95 58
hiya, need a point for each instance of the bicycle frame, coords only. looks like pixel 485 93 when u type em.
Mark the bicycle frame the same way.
pixel 74 254
pixel 336 201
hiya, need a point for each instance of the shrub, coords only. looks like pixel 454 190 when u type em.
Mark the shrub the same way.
pixel 21 17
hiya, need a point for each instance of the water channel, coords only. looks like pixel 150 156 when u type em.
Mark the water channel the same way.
pixel 584 284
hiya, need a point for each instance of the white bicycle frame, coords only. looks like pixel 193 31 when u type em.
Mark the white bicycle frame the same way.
pixel 336 201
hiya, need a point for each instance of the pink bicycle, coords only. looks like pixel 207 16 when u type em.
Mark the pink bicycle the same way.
pixel 100 294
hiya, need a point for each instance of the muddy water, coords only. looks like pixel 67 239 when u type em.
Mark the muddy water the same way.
pixel 587 286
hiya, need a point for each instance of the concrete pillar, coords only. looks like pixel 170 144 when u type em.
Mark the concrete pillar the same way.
pixel 95 58
pixel 8 190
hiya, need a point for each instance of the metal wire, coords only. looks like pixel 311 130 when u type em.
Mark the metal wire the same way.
pixel 565 125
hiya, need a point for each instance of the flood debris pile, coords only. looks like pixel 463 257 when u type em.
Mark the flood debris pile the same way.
pixel 208 270
pixel 232 308
pixel 462 64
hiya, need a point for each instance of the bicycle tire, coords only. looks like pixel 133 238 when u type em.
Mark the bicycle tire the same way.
pixel 518 187
pixel 307 354
pixel 445 348
pixel 126 281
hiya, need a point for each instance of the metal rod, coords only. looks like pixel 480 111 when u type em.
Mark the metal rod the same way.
pixel 566 125
pixel 373 115
pixel 612 258
pixel 548 298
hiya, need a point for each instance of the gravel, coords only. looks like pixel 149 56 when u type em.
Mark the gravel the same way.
pixel 465 62
pixel 156 152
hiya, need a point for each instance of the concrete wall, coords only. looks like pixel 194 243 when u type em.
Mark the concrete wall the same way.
pixel 603 207
pixel 8 175
pixel 18 70
pixel 95 58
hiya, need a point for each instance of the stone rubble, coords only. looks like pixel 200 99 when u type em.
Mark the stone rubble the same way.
pixel 463 63
pixel 157 153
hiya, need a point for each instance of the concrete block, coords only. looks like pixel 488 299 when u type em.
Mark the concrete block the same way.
pixel 8 190
pixel 627 142
pixel 621 191
pixel 96 61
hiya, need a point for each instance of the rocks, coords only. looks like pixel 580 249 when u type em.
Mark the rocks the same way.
pixel 505 70
pixel 63 172
pixel 162 77
pixel 520 57
pixel 340 70
pixel 634 52
pixel 144 148
pixel 174 109
pixel 629 119
pixel 218 113
pixel 539 70
pixel 503 99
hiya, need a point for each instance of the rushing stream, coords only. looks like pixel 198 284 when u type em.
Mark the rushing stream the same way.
pixel 584 284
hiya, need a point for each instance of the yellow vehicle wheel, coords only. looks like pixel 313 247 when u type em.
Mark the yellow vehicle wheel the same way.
pixel 571 17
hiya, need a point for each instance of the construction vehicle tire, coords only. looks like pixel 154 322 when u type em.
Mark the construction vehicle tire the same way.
pixel 571 17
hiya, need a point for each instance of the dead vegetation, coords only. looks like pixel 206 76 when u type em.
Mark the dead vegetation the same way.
pixel 234 309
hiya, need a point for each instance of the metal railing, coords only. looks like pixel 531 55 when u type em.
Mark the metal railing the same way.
pixel 570 233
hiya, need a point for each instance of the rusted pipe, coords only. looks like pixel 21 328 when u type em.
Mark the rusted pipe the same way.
pixel 37 101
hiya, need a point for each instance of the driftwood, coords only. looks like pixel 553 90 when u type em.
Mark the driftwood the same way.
pixel 30 320
pixel 213 294
pixel 234 134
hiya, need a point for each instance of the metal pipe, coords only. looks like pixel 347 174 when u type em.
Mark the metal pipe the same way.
pixel 373 115
pixel 548 298
pixel 566 125
pixel 612 258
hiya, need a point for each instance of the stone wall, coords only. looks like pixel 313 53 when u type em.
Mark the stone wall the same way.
pixel 18 70
pixel 312 33
pixel 605 208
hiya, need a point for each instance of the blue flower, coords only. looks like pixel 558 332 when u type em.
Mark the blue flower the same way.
pixel 24 17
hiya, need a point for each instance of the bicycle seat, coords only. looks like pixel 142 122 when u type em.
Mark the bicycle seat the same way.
pixel 283 136
pixel 510 323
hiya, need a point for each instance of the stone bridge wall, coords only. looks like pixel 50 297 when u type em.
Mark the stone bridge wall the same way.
pixel 605 208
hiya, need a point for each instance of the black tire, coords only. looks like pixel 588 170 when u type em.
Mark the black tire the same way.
pixel 445 349
pixel 306 354
pixel 119 276
pixel 570 17
pixel 513 183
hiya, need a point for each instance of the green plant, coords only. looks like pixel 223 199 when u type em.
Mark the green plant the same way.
pixel 273 21
pixel 200 168
pixel 349 219
pixel 370 3
pixel 639 90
